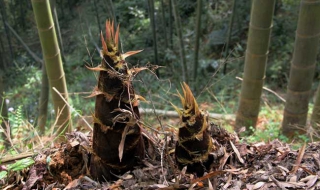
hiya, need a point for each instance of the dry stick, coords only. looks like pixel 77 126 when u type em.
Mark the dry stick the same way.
pixel 38 136
pixel 11 158
pixel 55 122
pixel 269 90
pixel 175 114
pixel 299 159
pixel 162 129
pixel 216 99
pixel 7 133
pixel 86 122
pixel 86 44
pixel 207 85
pixel 76 93
pixel 277 182
pixel 33 55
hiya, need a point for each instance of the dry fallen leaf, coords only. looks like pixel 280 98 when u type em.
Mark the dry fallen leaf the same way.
pixel 237 152
pixel 299 159
pixel 258 185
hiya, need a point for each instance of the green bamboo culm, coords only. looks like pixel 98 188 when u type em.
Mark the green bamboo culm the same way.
pixel 228 39
pixel 53 62
pixel 315 117
pixel 196 48
pixel 164 24
pixel 56 24
pixel 255 62
pixel 3 108
pixel 170 25
pixel 43 101
pixel 183 60
pixel 302 69
pixel 154 32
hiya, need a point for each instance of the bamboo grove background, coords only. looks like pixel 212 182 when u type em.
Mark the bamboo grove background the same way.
pixel 204 43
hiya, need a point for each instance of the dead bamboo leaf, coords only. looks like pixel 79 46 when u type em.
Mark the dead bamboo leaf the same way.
pixel 94 93
pixel 279 184
pixel 312 179
pixel 209 175
pixel 228 183
pixel 123 139
pixel 307 170
pixel 283 169
pixel 224 159
pixel 258 185
pixel 237 152
pixel 293 179
pixel 210 187
pixel 299 159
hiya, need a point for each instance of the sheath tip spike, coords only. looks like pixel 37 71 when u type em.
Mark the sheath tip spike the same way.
pixel 104 45
pixel 190 101
pixel 116 38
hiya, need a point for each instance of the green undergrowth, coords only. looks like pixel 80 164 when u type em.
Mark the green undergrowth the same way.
pixel 15 167
pixel 269 128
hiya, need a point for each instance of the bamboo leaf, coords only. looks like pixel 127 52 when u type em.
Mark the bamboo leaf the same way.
pixel 21 164
pixel 3 174
pixel 121 145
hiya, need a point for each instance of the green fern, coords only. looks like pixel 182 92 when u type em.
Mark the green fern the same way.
pixel 16 120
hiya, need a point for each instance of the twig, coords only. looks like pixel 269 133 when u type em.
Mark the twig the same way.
pixel 175 114
pixel 86 122
pixel 277 182
pixel 11 158
pixel 299 159
pixel 33 55
pixel 269 90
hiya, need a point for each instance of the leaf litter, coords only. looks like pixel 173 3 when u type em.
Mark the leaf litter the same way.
pixel 238 165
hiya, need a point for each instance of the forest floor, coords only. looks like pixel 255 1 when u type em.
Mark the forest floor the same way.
pixel 238 165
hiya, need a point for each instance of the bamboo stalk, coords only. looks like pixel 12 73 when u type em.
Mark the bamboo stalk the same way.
pixel 154 33
pixel 54 67
pixel 255 62
pixel 196 48
pixel 183 61
pixel 164 23
pixel 303 66
pixel 229 36
pixel 4 17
